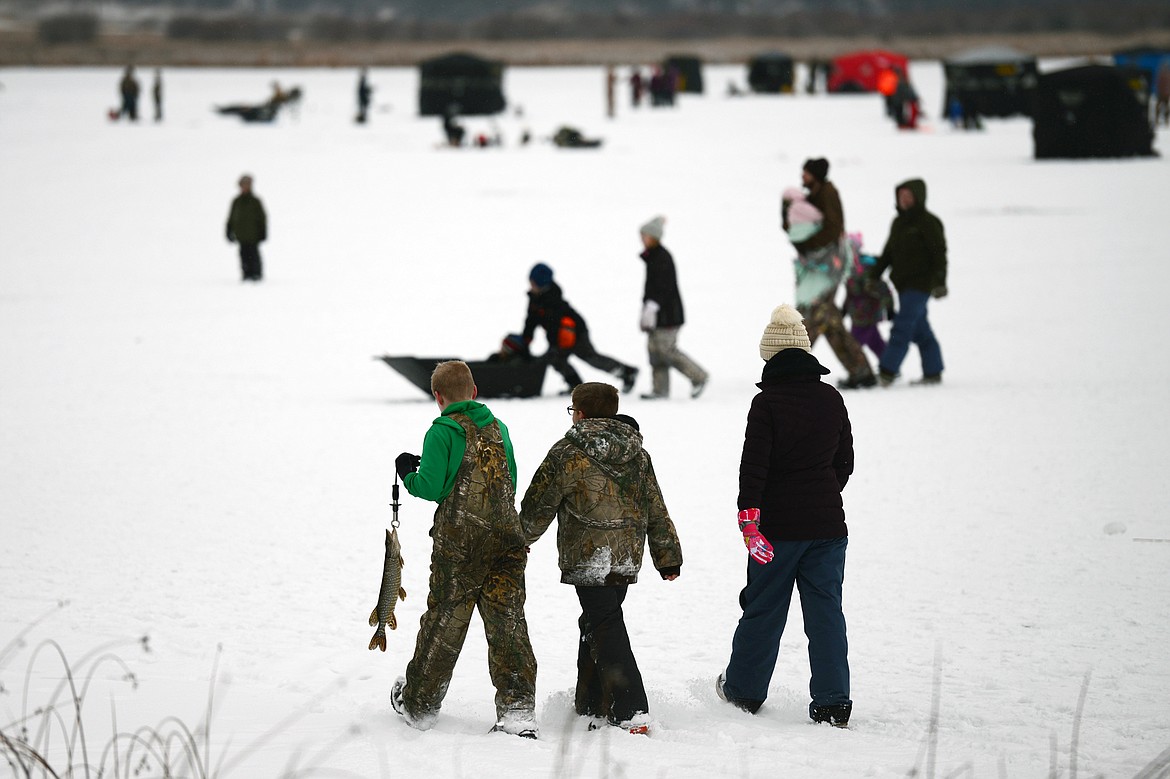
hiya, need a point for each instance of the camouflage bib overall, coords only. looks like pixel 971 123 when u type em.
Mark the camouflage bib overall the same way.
pixel 478 562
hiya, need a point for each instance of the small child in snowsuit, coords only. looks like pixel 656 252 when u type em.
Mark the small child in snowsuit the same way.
pixel 803 218
pixel 468 468
pixel 866 299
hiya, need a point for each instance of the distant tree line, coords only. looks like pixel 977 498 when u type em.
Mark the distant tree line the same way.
pixel 1100 16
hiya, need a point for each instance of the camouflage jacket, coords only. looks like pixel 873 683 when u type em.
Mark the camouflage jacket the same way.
pixel 599 483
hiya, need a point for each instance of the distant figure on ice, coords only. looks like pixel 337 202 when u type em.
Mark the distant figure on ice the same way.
pixel 453 131
pixel 364 92
pixel 637 87
pixel 904 104
pixel 662 316
pixel 820 265
pixel 867 300
pixel 1162 90
pixel 566 332
pixel 247 225
pixel 610 90
pixel 916 254
pixel 156 92
pixel 128 88
pixel 598 483
pixel 797 457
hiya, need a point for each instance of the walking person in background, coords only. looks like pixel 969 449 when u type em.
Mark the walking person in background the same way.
pixel 797 457
pixel 916 254
pixel 468 468
pixel 599 484
pixel 364 92
pixel 867 300
pixel 662 316
pixel 156 92
pixel 128 88
pixel 1162 90
pixel 610 91
pixel 820 265
pixel 566 332
pixel 247 225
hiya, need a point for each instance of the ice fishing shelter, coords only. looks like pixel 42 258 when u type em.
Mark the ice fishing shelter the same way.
pixel 771 72
pixel 463 83
pixel 1146 58
pixel 990 81
pixel 505 379
pixel 859 71
pixel 1092 111
pixel 690 72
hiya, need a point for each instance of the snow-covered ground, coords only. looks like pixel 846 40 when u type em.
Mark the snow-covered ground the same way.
pixel 208 464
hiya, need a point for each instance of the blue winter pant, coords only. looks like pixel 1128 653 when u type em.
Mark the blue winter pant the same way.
pixel 912 326
pixel 817 568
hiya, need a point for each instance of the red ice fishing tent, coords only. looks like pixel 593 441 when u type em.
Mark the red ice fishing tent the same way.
pixel 861 70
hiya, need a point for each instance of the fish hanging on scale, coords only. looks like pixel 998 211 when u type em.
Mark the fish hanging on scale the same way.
pixel 391 592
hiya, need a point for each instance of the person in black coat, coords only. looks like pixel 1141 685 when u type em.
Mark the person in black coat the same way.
pixel 797 458
pixel 566 332
pixel 662 316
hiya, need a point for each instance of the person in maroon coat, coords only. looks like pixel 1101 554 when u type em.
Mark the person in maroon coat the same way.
pixel 797 458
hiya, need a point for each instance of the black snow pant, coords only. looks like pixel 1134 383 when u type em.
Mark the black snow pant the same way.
pixel 609 683
pixel 583 349
pixel 250 261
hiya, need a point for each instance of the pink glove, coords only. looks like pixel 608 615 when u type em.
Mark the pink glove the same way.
pixel 757 546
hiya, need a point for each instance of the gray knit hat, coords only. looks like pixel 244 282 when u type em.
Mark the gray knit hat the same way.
pixel 653 228
pixel 784 331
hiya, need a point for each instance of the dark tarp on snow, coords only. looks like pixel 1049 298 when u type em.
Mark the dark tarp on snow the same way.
pixel 690 72
pixel 1092 111
pixel 506 379
pixel 462 83
pixel 771 72
pixel 859 71
pixel 992 81
pixel 1147 58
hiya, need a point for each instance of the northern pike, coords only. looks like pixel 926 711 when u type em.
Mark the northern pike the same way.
pixel 388 596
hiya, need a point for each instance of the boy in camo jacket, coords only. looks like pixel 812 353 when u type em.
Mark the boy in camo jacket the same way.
pixel 468 468
pixel 599 483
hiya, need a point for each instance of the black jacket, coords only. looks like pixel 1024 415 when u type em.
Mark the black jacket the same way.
pixel 797 451
pixel 547 308
pixel 916 251
pixel 662 286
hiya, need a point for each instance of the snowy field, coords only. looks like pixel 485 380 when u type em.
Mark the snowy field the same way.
pixel 207 465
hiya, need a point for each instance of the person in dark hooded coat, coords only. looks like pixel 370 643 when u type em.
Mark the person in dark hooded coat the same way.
pixel 797 457
pixel 916 255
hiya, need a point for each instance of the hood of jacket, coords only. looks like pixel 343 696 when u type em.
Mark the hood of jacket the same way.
pixel 477 412
pixel 918 188
pixel 610 443
pixel 788 363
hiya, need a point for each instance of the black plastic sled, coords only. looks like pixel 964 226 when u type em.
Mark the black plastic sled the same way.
pixel 510 379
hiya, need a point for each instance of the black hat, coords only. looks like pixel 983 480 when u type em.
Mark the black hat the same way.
pixel 818 168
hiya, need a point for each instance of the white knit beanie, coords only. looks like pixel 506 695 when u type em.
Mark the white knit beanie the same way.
pixel 785 331
pixel 653 228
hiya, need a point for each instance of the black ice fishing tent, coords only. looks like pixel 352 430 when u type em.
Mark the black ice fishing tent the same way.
pixel 771 72
pixel 690 72
pixel 991 81
pixel 1092 111
pixel 466 84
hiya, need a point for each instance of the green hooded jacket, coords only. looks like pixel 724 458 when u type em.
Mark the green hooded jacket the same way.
pixel 247 222
pixel 443 448
pixel 916 250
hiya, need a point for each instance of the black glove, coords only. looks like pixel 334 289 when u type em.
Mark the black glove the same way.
pixel 406 463
pixel 670 570
pixel 231 236
pixel 939 292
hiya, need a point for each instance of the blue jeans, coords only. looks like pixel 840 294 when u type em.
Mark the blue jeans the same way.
pixel 912 326
pixel 817 568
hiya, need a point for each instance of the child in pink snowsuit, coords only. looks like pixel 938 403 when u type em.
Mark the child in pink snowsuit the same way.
pixel 866 299
pixel 804 219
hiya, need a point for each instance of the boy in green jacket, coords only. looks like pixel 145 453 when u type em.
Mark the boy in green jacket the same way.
pixel 468 468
